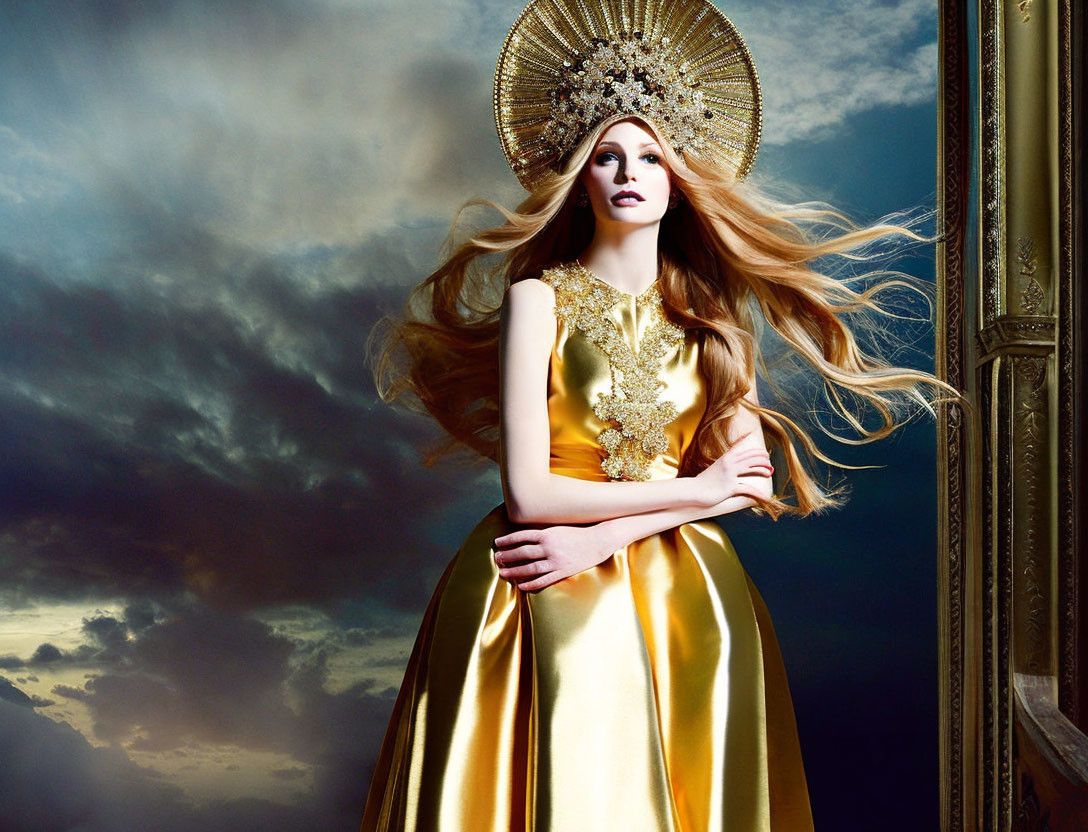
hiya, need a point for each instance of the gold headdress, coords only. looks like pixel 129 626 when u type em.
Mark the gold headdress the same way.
pixel 568 64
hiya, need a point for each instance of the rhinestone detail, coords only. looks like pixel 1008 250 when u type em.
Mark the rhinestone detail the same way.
pixel 632 74
pixel 636 417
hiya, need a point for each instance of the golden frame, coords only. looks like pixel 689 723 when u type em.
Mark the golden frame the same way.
pixel 1012 756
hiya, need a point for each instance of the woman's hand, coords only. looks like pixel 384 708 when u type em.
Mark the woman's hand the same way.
pixel 535 558
pixel 735 473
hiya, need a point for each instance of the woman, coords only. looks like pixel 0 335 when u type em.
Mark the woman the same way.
pixel 595 657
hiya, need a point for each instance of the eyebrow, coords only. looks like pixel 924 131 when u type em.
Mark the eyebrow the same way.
pixel 616 144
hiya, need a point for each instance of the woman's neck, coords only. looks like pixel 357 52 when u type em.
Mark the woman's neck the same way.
pixel 626 259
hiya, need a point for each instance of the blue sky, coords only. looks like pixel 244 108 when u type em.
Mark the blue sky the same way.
pixel 215 544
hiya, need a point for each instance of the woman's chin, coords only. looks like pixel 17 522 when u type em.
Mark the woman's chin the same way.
pixel 640 214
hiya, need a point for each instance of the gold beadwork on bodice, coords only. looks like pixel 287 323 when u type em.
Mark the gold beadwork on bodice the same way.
pixel 635 436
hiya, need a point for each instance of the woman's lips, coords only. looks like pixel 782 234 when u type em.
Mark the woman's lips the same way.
pixel 626 198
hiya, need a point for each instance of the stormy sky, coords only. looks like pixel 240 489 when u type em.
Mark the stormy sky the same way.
pixel 216 544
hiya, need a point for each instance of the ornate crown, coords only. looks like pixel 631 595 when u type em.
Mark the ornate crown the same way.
pixel 681 64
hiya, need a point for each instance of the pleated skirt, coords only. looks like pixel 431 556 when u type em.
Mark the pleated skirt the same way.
pixel 646 694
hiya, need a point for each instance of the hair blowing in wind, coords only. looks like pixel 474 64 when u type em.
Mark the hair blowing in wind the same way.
pixel 731 260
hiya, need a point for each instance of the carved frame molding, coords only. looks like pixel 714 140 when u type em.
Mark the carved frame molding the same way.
pixel 1008 565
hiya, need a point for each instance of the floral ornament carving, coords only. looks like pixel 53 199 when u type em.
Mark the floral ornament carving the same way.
pixel 637 417
pixel 1032 296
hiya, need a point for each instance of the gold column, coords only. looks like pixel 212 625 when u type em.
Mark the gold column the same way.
pixel 1016 369
pixel 1005 502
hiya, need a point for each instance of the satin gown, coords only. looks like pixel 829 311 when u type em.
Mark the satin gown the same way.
pixel 646 694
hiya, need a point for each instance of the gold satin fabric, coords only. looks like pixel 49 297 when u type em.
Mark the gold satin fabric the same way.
pixel 646 694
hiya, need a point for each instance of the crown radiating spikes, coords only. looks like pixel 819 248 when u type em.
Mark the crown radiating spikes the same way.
pixel 681 64
pixel 629 75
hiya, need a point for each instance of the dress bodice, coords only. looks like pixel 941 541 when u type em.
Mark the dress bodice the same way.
pixel 625 394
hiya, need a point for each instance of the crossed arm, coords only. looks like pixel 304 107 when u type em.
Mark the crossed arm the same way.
pixel 532 493
pixel 620 512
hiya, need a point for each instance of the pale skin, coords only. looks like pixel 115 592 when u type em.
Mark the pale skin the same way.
pixel 623 252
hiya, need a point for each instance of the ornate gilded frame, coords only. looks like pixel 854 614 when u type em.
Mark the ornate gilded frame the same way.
pixel 1008 561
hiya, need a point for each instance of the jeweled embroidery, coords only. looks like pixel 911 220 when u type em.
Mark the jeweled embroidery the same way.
pixel 636 435
pixel 633 74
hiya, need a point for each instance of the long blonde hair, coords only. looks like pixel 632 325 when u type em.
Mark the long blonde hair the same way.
pixel 730 259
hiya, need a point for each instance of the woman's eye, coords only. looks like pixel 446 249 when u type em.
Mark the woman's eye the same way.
pixel 653 157
pixel 603 157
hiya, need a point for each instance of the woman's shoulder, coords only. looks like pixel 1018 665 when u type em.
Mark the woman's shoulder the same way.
pixel 542 283
pixel 533 290
pixel 531 296
pixel 528 310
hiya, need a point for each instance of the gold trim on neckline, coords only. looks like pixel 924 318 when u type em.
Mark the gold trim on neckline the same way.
pixel 641 297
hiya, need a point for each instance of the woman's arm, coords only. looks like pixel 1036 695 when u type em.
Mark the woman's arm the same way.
pixel 537 557
pixel 620 531
pixel 533 494
pixel 744 431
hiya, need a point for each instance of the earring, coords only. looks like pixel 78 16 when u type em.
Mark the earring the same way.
pixel 674 198
pixel 582 200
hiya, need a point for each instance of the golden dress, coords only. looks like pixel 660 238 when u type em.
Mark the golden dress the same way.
pixel 646 694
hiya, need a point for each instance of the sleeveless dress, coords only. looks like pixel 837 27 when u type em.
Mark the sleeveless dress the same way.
pixel 646 694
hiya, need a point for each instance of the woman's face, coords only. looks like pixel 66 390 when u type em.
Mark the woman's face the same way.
pixel 627 159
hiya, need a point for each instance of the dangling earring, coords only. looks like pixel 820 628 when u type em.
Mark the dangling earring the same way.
pixel 674 198
pixel 582 200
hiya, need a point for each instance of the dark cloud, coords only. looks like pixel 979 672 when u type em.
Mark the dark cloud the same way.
pixel 53 780
pixel 451 97
pixel 46 654
pixel 111 484
pixel 274 123
pixel 388 660
pixel 82 34
pixel 139 615
pixel 12 694
pixel 197 676
pixel 107 632
pixel 360 637
pixel 289 773
pixel 183 411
